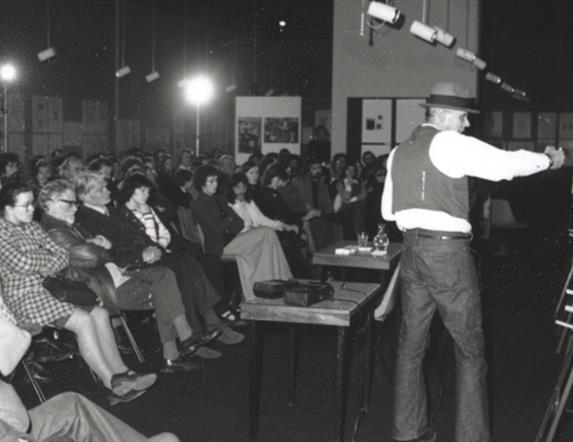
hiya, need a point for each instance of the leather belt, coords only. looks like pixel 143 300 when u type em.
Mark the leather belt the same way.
pixel 439 235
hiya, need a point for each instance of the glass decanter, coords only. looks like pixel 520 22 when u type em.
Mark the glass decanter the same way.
pixel 381 240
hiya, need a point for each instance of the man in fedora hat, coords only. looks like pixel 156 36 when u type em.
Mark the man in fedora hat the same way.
pixel 426 193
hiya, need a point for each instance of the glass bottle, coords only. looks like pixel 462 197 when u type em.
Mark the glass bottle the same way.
pixel 381 240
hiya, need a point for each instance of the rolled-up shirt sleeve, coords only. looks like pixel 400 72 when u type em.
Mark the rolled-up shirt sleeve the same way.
pixel 386 205
pixel 458 155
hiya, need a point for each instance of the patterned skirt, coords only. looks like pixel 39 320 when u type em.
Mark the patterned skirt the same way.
pixel 38 306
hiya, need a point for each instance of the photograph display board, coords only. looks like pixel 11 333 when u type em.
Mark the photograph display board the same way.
pixel 266 124
pixel 494 124
pixel 377 121
pixel 522 125
pixel 546 125
pixel 566 126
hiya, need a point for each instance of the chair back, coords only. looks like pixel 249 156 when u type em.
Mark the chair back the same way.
pixel 389 299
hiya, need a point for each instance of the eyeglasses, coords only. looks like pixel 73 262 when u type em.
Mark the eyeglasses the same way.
pixel 70 202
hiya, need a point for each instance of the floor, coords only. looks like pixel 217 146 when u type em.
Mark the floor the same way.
pixel 522 274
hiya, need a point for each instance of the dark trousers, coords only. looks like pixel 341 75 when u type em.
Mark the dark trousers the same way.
pixel 440 275
pixel 154 288
pixel 197 293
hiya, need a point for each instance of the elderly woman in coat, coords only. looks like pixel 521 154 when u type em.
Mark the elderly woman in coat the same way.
pixel 27 256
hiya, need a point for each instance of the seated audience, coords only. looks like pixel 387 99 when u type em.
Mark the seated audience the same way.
pixel 41 173
pixel 70 167
pixel 374 190
pixel 136 251
pixel 258 252
pixel 251 171
pixel 9 168
pixel 349 202
pixel 27 256
pixel 325 228
pixel 66 417
pixel 131 290
pixel 242 203
pixel 199 295
pixel 186 160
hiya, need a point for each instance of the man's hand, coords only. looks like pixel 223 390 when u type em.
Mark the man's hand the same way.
pixel 556 156
pixel 151 254
pixel 101 241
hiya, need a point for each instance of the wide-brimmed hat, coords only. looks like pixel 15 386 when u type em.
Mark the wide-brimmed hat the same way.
pixel 451 96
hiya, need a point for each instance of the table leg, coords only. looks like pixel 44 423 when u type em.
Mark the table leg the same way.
pixel 293 364
pixel 255 381
pixel 341 382
pixel 369 354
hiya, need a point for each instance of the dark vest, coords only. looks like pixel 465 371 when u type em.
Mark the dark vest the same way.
pixel 418 184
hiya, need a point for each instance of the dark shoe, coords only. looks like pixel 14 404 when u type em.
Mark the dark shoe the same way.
pixel 115 399
pixel 181 364
pixel 428 436
pixel 132 380
pixel 207 353
pixel 197 339
pixel 229 336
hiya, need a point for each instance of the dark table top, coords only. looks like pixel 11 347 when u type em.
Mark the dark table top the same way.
pixel 327 257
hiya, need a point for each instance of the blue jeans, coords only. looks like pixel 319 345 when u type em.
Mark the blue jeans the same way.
pixel 440 274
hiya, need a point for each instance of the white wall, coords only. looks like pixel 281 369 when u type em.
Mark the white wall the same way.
pixel 399 64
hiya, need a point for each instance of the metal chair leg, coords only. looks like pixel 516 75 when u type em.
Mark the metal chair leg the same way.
pixel 34 382
pixel 136 349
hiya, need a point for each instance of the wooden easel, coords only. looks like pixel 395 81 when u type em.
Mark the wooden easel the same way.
pixel 563 387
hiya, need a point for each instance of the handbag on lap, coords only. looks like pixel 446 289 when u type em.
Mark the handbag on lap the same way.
pixel 73 292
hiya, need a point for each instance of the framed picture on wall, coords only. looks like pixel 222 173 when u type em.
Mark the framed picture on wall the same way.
pixel 249 134
pixel 522 125
pixel 547 126
pixel 377 121
pixel 565 126
pixel 493 124
pixel 281 130
pixel 409 114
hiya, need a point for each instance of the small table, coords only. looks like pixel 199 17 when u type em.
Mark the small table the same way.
pixel 351 301
pixel 327 257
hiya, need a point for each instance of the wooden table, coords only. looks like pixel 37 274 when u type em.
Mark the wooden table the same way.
pixel 327 257
pixel 351 304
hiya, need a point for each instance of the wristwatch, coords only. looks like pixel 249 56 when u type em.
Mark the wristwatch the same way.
pixel 550 161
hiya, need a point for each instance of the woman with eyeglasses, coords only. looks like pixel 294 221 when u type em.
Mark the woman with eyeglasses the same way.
pixel 28 256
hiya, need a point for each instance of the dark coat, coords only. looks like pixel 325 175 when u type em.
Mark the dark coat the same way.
pixel 219 222
pixel 304 186
pixel 128 242
pixel 86 260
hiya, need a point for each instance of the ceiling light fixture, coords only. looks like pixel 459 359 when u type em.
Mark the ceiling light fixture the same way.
pixel 491 77
pixel 383 12
pixel 469 56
